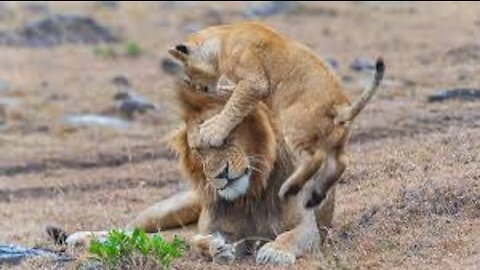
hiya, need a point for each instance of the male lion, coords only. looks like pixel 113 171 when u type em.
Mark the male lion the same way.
pixel 234 190
pixel 247 62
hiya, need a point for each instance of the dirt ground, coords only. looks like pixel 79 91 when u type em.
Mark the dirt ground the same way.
pixel 408 200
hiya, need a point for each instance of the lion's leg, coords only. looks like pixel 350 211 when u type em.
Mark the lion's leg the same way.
pixel 82 238
pixel 291 244
pixel 316 191
pixel 213 246
pixel 179 210
pixel 309 165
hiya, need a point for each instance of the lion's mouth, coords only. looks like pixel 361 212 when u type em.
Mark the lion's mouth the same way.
pixel 231 181
pixel 235 187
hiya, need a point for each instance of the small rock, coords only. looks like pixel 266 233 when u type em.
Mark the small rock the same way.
pixel 332 62
pixel 170 67
pixel 9 102
pixel 464 94
pixel 94 120
pixel 11 254
pixel 268 8
pixel 120 81
pixel 347 79
pixel 128 102
pixel 362 64
pixel 58 29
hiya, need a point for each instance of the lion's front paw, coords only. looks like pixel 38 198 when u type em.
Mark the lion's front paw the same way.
pixel 213 132
pixel 83 238
pixel 271 253
pixel 221 252
pixel 78 239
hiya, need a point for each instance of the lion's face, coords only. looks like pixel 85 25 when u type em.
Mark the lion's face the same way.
pixel 227 169
pixel 238 168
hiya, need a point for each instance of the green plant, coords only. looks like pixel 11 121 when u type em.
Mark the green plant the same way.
pixel 120 248
pixel 133 49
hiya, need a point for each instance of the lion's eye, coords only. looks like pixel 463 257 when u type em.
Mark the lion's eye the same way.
pixel 205 89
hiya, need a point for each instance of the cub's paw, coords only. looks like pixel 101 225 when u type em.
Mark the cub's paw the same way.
pixel 314 199
pixel 213 132
pixel 221 252
pixel 271 253
pixel 314 195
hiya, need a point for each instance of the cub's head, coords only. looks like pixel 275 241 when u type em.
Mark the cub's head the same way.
pixel 199 57
pixel 239 168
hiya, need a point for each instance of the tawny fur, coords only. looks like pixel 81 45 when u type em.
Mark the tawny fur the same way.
pixel 257 144
pixel 245 63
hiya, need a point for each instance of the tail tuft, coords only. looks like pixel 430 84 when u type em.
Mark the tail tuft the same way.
pixel 348 113
pixel 380 66
pixel 379 69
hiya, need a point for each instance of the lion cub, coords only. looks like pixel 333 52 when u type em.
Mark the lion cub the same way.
pixel 245 63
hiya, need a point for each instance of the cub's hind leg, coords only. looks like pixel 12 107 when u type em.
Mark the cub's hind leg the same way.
pixel 309 165
pixel 316 190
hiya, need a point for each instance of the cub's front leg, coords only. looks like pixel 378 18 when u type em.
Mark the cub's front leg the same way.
pixel 215 247
pixel 252 87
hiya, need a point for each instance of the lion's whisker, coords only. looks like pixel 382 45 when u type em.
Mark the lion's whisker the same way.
pixel 258 170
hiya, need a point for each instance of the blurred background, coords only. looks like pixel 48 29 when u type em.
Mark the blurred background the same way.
pixel 86 100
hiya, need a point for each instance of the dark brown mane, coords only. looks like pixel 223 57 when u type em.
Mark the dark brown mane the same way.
pixel 267 204
pixel 196 106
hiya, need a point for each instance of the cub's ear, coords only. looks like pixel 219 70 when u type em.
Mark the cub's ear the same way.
pixel 179 52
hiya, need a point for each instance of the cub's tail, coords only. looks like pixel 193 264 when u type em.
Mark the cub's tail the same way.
pixel 348 113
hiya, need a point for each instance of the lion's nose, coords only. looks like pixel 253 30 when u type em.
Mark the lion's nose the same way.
pixel 223 173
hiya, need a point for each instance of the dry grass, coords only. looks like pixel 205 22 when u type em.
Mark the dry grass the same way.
pixel 409 199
